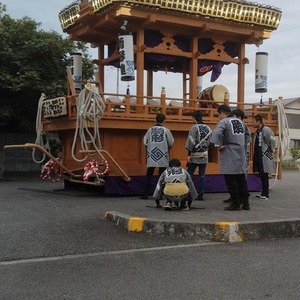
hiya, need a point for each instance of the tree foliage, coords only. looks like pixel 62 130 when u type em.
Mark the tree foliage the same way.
pixel 32 62
pixel 295 153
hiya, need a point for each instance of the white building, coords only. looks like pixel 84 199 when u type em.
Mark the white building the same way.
pixel 292 111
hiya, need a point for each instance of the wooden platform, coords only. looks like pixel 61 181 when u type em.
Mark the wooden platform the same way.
pixel 122 129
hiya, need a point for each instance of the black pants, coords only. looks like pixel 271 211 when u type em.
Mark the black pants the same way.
pixel 264 177
pixel 237 188
pixel 149 175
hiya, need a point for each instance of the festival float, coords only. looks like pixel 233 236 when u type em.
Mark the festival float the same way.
pixel 102 133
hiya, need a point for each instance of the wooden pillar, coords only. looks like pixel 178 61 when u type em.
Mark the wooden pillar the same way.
pixel 241 77
pixel 184 79
pixel 140 66
pixel 101 69
pixel 193 69
pixel 149 83
pixel 163 100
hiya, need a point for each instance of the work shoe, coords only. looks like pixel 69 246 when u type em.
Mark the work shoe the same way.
pixel 168 206
pixel 227 200
pixel 186 208
pixel 200 197
pixel 158 206
pixel 261 197
pixel 232 207
pixel 246 207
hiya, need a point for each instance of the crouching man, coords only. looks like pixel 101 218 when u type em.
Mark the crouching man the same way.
pixel 176 186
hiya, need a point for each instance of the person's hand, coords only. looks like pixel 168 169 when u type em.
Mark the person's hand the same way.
pixel 189 159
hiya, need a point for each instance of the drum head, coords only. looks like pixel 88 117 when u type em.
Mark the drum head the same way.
pixel 214 92
pixel 218 93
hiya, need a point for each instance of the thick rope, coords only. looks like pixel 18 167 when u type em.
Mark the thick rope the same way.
pixel 283 143
pixel 51 171
pixel 90 109
pixel 41 137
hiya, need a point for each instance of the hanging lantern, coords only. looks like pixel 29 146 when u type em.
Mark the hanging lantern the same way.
pixel 199 85
pixel 77 69
pixel 126 57
pixel 261 72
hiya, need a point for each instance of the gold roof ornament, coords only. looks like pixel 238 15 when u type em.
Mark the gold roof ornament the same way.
pixel 247 13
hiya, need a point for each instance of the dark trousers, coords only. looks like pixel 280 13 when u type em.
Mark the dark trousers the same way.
pixel 149 175
pixel 237 188
pixel 191 167
pixel 264 177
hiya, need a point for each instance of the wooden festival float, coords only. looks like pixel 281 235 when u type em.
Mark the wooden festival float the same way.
pixel 194 38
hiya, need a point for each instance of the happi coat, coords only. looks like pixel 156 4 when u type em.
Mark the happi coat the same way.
pixel 264 146
pixel 175 175
pixel 158 141
pixel 233 136
pixel 198 141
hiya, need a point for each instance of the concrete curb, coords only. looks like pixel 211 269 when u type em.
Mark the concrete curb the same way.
pixel 232 232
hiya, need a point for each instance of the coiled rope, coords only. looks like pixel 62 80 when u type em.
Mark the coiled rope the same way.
pixel 41 138
pixel 92 168
pixel 51 171
pixel 90 109
pixel 283 143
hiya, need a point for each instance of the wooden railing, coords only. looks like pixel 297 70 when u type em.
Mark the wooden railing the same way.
pixel 143 107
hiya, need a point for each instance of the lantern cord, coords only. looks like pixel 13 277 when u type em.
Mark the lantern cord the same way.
pixel 90 109
pixel 41 137
pixel 283 143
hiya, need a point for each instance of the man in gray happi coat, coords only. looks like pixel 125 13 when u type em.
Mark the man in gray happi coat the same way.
pixel 158 141
pixel 176 185
pixel 197 144
pixel 232 138
pixel 263 160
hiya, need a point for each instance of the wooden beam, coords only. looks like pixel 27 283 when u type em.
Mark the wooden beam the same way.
pixel 241 77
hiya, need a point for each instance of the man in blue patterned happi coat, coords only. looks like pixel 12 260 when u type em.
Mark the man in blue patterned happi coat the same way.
pixel 158 141
pixel 232 137
pixel 175 185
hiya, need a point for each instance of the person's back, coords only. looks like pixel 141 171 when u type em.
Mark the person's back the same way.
pixel 238 113
pixel 158 140
pixel 231 139
pixel 230 136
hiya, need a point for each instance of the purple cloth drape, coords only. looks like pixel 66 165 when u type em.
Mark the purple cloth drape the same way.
pixel 214 184
pixel 173 63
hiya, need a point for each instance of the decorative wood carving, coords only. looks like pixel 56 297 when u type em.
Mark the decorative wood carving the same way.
pixel 168 44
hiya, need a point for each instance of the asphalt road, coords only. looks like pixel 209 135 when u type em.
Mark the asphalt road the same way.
pixel 58 246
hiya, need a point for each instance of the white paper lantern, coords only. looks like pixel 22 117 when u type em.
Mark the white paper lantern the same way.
pixel 126 57
pixel 261 72
pixel 77 69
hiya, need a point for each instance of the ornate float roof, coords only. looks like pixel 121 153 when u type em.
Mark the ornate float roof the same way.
pixel 239 12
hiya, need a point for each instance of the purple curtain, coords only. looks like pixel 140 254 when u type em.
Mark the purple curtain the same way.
pixel 173 63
